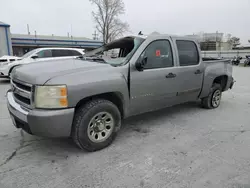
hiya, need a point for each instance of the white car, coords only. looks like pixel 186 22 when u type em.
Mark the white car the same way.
pixel 39 55
pixel 4 60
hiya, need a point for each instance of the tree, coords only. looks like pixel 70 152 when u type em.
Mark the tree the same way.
pixel 107 19
pixel 249 41
pixel 234 41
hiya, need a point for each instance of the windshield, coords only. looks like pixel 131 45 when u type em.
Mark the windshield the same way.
pixel 117 52
pixel 29 53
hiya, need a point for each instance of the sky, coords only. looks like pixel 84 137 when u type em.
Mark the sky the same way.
pixel 179 17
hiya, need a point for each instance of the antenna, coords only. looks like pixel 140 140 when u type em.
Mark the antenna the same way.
pixel 140 33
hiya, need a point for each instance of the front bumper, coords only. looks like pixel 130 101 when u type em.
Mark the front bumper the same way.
pixel 47 123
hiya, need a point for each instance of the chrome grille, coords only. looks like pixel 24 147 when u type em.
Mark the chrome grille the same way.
pixel 22 93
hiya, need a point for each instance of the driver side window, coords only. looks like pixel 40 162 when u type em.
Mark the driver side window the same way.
pixel 44 54
pixel 158 54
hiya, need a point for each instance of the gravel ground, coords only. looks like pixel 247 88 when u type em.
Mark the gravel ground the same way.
pixel 183 146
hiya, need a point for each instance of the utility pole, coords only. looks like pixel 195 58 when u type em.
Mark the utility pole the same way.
pixel 95 35
pixel 28 29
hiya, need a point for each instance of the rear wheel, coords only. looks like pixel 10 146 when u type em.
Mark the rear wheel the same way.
pixel 95 125
pixel 214 97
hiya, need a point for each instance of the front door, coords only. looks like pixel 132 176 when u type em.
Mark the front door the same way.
pixel 155 86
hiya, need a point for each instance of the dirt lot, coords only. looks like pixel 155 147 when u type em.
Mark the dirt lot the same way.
pixel 183 146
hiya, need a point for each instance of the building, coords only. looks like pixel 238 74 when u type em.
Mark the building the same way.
pixel 23 43
pixel 212 41
pixel 19 44
pixel 242 47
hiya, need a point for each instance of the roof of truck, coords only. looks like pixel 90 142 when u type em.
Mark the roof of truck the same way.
pixel 164 35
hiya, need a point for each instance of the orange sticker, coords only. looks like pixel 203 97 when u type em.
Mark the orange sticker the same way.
pixel 158 53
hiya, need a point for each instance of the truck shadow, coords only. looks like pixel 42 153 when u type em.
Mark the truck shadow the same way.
pixel 60 149
pixel 150 118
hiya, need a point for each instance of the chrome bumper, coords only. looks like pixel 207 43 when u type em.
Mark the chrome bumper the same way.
pixel 15 109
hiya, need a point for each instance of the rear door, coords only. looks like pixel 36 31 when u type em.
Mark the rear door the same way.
pixel 190 70
pixel 155 86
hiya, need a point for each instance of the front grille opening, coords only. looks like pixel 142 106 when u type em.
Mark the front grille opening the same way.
pixel 22 99
pixel 24 87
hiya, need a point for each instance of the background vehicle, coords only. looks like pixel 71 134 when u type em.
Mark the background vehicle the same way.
pixel 5 60
pixel 87 98
pixel 247 61
pixel 236 60
pixel 38 55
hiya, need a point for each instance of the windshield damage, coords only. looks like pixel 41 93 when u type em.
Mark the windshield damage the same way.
pixel 115 53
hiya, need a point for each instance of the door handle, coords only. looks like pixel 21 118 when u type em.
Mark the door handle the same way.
pixel 171 75
pixel 198 71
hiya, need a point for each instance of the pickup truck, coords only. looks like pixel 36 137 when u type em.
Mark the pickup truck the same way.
pixel 86 98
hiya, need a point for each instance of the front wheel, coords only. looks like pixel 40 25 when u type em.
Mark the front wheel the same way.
pixel 214 97
pixel 95 124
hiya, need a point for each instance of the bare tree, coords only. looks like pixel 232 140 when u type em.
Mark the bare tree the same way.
pixel 107 19
pixel 234 41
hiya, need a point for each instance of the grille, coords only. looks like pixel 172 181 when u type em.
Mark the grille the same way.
pixel 22 93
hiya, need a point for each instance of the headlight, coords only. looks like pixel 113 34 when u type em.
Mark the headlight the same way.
pixel 51 97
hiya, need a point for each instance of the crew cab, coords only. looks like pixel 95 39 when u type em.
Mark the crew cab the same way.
pixel 39 55
pixel 86 98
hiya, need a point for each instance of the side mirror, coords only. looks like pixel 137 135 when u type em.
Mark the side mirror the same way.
pixel 34 56
pixel 140 64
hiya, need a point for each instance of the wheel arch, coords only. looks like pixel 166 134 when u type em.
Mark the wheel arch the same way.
pixel 114 97
pixel 222 80
pixel 12 69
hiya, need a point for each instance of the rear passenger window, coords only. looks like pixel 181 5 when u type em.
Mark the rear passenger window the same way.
pixel 188 53
pixel 65 53
pixel 75 53
pixel 59 53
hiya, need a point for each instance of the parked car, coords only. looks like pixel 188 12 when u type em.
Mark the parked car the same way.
pixel 247 61
pixel 39 55
pixel 6 59
pixel 87 98
pixel 236 60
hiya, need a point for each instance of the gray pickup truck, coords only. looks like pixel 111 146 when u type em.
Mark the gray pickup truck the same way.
pixel 86 98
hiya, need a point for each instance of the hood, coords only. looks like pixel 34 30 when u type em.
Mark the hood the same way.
pixel 40 73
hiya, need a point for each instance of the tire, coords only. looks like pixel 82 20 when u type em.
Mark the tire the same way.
pixel 209 101
pixel 97 117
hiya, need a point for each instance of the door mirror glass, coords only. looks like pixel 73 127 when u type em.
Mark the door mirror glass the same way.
pixel 34 56
pixel 141 63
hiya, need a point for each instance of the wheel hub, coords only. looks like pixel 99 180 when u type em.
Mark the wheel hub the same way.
pixel 100 127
